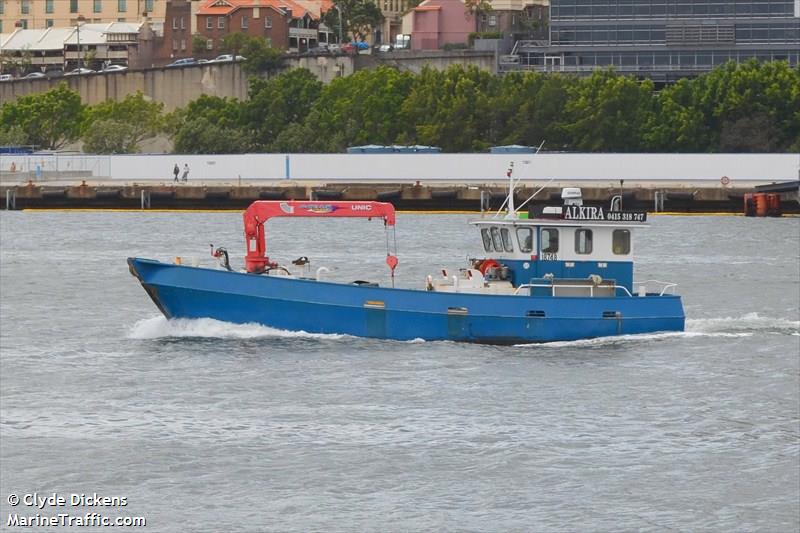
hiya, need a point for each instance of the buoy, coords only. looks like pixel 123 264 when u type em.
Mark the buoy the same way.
pixel 762 207
pixel 773 204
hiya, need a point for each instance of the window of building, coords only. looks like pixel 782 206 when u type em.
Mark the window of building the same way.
pixel 267 22
pixel 122 6
pixel 244 22
pixel 148 5
pixel 583 241
pixel 183 44
pixel 48 23
pixel 48 6
pixel 73 6
pixel 550 240
pixel 221 23
pixel 1 22
pixel 492 20
pixel 621 242
pixel 174 44
pixel 487 240
pixel 209 23
pixel 25 7
pixel 525 238
pixel 98 6
pixel 24 23
pixel 174 23
pixel 506 235
pixel 183 23
pixel 210 44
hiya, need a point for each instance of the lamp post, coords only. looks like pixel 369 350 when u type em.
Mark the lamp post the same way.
pixel 339 9
pixel 81 19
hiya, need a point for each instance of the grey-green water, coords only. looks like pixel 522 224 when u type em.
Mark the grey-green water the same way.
pixel 206 426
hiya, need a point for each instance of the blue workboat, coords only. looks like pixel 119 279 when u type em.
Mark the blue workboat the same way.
pixel 563 273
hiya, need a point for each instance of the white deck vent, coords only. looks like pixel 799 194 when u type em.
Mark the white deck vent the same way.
pixel 571 196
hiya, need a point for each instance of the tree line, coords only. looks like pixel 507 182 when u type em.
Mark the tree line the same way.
pixel 748 107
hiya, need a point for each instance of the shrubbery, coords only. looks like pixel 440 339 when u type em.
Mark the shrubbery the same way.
pixel 739 108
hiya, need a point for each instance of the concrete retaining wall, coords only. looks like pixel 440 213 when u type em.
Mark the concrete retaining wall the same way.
pixel 176 87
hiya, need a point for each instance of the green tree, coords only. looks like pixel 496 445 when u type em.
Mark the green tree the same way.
pixel 209 125
pixel 363 108
pixel 733 91
pixel 451 109
pixel 199 45
pixel 12 135
pixel 261 57
pixel 679 123
pixel 609 113
pixel 530 108
pixel 136 118
pixel 50 120
pixel 233 42
pixel 278 102
pixel 359 17
pixel 106 136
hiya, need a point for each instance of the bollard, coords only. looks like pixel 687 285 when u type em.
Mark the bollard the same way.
pixel 145 199
pixel 11 199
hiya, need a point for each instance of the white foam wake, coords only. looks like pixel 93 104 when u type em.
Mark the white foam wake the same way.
pixel 159 327
pixel 731 327
pixel 750 322
pixel 634 339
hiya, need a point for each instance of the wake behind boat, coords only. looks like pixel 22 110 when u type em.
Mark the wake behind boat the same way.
pixel 564 273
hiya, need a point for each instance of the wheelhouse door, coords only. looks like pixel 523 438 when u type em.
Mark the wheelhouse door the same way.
pixel 550 259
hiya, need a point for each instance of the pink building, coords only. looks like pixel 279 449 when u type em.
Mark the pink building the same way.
pixel 439 22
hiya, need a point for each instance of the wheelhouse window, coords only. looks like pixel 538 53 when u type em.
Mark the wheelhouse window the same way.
pixel 621 242
pixel 487 240
pixel 506 235
pixel 549 240
pixel 525 238
pixel 496 240
pixel 583 241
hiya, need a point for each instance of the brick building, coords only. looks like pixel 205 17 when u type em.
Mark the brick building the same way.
pixel 270 19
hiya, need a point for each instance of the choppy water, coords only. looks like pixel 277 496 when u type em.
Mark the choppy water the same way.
pixel 206 426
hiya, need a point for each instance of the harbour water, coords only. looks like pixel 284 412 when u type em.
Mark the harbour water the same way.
pixel 207 426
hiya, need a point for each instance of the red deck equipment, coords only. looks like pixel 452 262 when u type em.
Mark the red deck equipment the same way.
pixel 259 212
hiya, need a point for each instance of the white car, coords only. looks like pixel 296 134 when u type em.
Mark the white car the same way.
pixel 80 71
pixel 115 68
pixel 34 76
pixel 227 58
pixel 6 77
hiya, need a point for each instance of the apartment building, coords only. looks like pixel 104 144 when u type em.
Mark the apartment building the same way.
pixel 39 14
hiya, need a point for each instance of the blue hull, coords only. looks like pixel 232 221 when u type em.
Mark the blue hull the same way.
pixel 401 314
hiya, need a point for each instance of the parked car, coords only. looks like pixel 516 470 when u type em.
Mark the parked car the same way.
pixel 227 58
pixel 80 71
pixel 320 50
pixel 54 73
pixel 334 48
pixel 115 68
pixel 386 48
pixel 6 77
pixel 185 62
pixel 34 76
pixel 202 61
